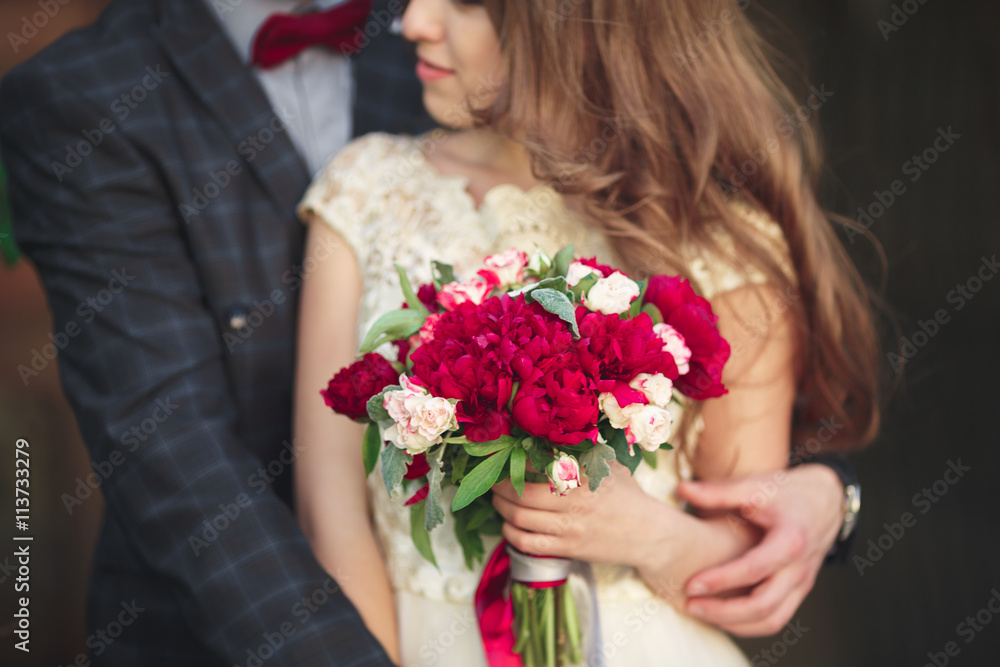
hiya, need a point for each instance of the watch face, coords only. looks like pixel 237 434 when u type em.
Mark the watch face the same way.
pixel 852 505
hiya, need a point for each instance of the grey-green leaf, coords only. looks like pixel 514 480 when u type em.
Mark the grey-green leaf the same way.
pixel 435 509
pixel 376 405
pixel 595 463
pixel 394 463
pixel 370 447
pixel 559 305
pixel 480 479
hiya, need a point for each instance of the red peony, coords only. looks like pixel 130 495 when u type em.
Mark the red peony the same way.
pixel 614 350
pixel 479 351
pixel 457 365
pixel 603 268
pixel 350 389
pixel 559 404
pixel 692 317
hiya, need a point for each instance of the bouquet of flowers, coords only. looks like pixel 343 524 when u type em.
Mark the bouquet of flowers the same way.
pixel 534 369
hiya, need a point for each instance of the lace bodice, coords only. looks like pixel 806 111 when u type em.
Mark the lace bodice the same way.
pixel 393 207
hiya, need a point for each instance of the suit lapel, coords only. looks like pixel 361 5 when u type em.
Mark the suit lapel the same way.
pixel 204 57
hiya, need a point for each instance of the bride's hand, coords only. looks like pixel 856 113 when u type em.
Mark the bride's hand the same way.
pixel 612 525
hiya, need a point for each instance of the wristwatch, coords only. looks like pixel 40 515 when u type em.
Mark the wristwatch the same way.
pixel 838 463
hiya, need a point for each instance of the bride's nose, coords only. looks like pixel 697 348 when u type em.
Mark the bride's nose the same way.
pixel 423 20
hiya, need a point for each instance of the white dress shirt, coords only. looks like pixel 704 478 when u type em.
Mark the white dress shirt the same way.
pixel 312 92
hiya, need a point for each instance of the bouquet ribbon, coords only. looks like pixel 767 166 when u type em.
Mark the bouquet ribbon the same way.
pixel 495 607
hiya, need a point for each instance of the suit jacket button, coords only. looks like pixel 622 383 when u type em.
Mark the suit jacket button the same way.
pixel 237 317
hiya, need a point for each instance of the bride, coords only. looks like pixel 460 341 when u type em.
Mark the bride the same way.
pixel 591 122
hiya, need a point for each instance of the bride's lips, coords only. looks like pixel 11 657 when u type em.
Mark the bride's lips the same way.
pixel 427 71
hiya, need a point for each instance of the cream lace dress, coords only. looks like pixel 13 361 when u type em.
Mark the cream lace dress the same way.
pixel 392 207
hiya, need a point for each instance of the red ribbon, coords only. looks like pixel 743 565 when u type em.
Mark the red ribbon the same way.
pixel 495 611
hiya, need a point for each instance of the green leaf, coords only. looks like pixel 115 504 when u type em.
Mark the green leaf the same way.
pixel 559 305
pixel 480 479
pixel 469 539
pixel 650 458
pixel 666 446
pixel 376 405
pixel 487 448
pixel 618 442
pixel 540 458
pixel 583 286
pixel 458 466
pixel 562 260
pixel 435 508
pixel 370 447
pixel 418 533
pixel 480 512
pixel 636 306
pixel 595 463
pixel 518 461
pixel 443 274
pixel 394 325
pixel 394 463
pixel 411 298
pixel 654 313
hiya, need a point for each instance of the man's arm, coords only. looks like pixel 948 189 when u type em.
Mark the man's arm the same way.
pixel 107 228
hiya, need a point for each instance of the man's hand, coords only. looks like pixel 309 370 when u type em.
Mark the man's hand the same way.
pixel 800 512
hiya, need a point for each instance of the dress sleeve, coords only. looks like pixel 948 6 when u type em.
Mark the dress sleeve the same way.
pixel 343 195
pixel 720 273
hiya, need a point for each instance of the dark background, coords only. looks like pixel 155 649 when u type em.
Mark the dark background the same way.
pixel 892 91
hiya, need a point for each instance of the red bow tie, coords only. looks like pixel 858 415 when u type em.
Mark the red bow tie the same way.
pixel 283 36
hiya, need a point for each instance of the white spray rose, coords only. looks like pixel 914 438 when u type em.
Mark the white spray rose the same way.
pixel 612 295
pixel 658 389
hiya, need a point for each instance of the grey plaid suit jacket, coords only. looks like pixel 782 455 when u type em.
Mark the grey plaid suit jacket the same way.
pixel 154 189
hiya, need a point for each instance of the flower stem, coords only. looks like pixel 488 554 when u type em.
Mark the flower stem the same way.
pixel 549 614
pixel 572 626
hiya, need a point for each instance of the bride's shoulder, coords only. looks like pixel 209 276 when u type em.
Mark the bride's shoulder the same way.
pixel 725 267
pixel 369 153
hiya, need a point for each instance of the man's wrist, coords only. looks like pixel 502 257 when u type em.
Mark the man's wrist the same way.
pixel 850 502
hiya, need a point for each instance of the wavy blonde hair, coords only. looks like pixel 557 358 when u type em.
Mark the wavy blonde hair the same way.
pixel 660 113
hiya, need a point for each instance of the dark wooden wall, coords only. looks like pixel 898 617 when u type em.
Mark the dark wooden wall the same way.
pixel 893 91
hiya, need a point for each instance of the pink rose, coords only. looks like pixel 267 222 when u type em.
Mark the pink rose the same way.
pixel 564 474
pixel 475 290
pixel 419 418
pixel 673 342
pixel 508 266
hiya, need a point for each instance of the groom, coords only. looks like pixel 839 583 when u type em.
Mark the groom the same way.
pixel 157 157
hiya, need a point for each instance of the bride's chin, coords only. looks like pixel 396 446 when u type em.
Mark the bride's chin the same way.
pixel 446 111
